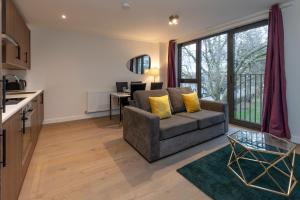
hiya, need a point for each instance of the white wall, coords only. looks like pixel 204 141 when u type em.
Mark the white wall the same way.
pixel 291 17
pixel 163 59
pixel 68 64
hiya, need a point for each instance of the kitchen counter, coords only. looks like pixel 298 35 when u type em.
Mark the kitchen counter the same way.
pixel 12 109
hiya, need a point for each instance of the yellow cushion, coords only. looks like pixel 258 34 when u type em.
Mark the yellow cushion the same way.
pixel 191 102
pixel 160 106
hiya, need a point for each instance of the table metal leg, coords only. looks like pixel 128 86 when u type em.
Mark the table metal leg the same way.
pixel 267 166
pixel 120 103
pixel 110 107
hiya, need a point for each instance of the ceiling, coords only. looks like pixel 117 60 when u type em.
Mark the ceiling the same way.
pixel 146 20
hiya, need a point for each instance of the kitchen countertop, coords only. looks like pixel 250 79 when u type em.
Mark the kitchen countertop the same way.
pixel 13 109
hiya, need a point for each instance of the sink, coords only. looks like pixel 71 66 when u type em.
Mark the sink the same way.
pixel 13 101
pixel 19 92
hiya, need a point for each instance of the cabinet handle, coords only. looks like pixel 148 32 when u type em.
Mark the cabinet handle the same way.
pixel 18 52
pixel 24 119
pixel 3 106
pixel 3 162
pixel 42 98
pixel 26 57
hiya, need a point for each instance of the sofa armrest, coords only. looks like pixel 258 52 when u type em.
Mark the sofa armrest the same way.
pixel 141 130
pixel 218 107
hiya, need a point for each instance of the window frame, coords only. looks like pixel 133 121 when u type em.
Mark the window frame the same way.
pixel 230 66
pixel 192 81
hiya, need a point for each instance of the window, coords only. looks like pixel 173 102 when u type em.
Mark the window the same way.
pixel 193 86
pixel 214 68
pixel 188 70
pixel 146 62
pixel 188 61
pixel 228 67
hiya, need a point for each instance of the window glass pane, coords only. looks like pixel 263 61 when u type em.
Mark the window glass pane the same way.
pixel 139 66
pixel 193 86
pixel 146 62
pixel 188 61
pixel 249 65
pixel 135 66
pixel 214 68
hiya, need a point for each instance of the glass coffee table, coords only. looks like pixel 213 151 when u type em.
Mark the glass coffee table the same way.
pixel 263 161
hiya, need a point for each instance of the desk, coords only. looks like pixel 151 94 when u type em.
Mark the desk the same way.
pixel 120 96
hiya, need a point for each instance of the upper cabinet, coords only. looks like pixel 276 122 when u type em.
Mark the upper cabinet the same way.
pixel 15 38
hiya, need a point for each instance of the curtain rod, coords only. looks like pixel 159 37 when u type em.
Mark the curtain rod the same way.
pixel 286 5
pixel 235 23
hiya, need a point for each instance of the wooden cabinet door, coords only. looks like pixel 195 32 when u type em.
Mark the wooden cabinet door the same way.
pixel 10 18
pixel 19 37
pixel 15 27
pixel 11 173
pixel 11 53
pixel 35 119
pixel 23 38
pixel 25 45
pixel 27 148
pixel 29 139
pixel 27 48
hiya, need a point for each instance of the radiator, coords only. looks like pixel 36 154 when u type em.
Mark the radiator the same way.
pixel 98 101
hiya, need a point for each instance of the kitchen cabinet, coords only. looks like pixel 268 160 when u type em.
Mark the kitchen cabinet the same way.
pixel 11 172
pixel 40 111
pixel 35 119
pixel 21 139
pixel 16 54
pixel 28 140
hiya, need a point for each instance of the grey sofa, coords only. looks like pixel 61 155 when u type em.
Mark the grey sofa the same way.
pixel 154 138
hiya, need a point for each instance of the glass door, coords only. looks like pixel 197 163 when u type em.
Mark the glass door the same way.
pixel 249 58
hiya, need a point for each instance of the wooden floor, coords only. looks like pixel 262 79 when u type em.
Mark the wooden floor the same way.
pixel 89 160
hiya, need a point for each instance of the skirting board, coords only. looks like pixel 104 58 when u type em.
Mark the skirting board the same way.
pixel 296 139
pixel 78 117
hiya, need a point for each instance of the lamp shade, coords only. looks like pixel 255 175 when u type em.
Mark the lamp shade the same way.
pixel 146 72
pixel 153 72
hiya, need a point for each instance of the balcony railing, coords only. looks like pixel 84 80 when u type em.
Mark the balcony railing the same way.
pixel 248 97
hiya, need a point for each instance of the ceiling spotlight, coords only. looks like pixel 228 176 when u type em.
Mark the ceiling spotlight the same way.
pixel 63 16
pixel 173 20
pixel 125 5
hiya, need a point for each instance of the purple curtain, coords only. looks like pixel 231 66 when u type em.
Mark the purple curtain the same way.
pixel 275 112
pixel 171 64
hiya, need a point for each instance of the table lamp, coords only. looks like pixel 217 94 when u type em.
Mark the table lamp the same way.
pixel 152 72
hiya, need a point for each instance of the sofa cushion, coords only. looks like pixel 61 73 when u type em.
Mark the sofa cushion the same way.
pixel 191 102
pixel 176 125
pixel 205 118
pixel 142 98
pixel 176 99
pixel 160 106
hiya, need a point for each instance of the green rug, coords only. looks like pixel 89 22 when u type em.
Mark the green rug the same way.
pixel 211 175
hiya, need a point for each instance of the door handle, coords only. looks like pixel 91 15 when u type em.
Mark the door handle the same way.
pixel 3 162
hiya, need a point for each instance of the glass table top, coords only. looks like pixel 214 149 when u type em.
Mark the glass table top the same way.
pixel 262 142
